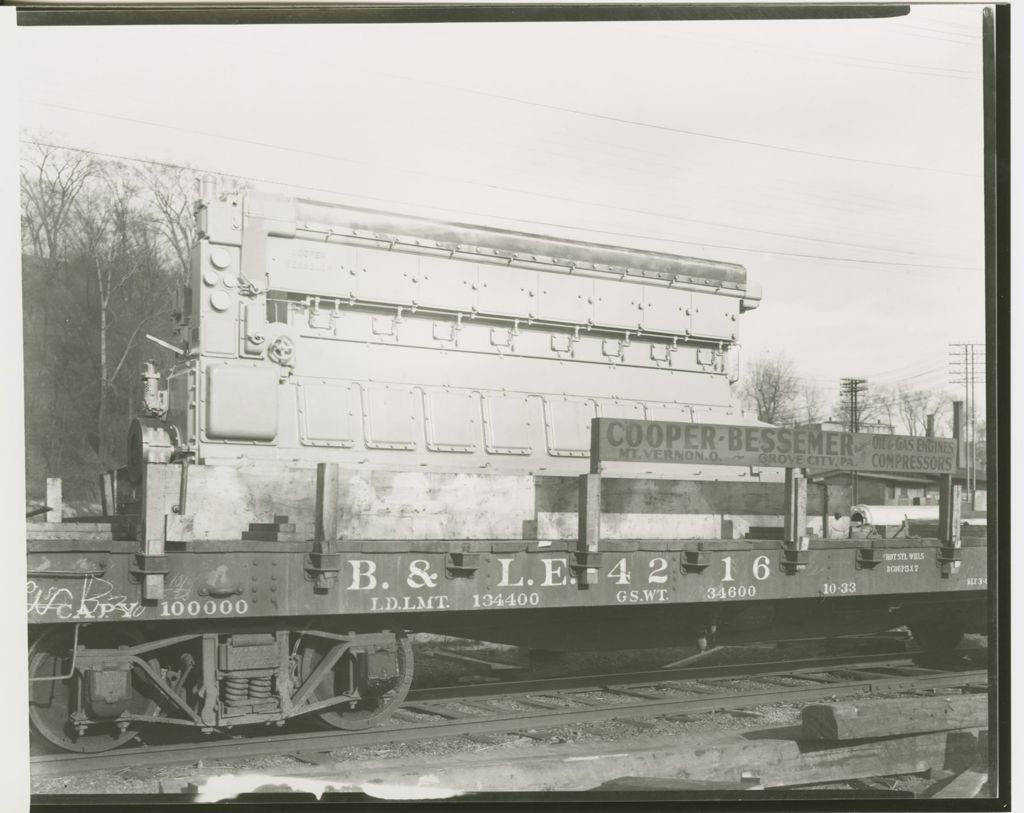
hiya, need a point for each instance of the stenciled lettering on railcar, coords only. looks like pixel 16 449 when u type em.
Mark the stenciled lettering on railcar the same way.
pixel 91 599
pixel 627 440
pixel 517 582
pixel 903 561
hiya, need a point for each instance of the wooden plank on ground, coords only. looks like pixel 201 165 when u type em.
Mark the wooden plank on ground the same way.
pixel 769 758
pixel 884 757
pixel 655 783
pixel 883 718
pixel 965 785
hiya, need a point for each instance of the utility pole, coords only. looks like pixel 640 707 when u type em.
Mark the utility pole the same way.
pixel 851 389
pixel 967 367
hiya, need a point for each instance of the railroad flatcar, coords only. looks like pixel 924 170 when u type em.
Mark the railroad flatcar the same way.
pixel 376 424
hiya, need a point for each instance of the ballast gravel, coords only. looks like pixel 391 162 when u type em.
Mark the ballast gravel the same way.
pixel 437 671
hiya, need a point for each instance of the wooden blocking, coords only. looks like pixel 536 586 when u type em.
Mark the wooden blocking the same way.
pixel 675 784
pixel 326 517
pixel 279 525
pixel 795 519
pixel 879 757
pixel 108 500
pixel 966 748
pixel 281 530
pixel 160 484
pixel 884 718
pixel 153 587
pixel 78 532
pixel 589 511
pixel 826 514
pixel 965 785
pixel 950 511
pixel 54 500
pixel 589 522
pixel 177 528
pixel 325 520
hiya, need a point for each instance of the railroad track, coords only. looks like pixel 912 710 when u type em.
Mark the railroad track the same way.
pixel 528 706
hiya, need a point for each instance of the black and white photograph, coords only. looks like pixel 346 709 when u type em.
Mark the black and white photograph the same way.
pixel 480 402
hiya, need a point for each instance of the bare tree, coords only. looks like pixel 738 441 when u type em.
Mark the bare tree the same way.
pixel 876 408
pixel 812 403
pixel 882 408
pixel 117 246
pixel 914 407
pixel 770 387
pixel 56 363
pixel 51 181
pixel 122 240
pixel 170 193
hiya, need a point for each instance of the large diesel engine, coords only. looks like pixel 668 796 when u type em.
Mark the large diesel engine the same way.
pixel 389 345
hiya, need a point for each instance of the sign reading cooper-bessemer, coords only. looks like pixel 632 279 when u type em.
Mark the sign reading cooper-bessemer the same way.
pixel 625 440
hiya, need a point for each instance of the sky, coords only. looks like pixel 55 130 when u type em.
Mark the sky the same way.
pixel 838 161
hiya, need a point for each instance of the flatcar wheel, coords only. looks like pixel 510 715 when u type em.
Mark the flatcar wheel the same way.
pixel 366 712
pixel 52 701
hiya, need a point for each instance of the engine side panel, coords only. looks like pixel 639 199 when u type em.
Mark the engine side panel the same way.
pixel 329 334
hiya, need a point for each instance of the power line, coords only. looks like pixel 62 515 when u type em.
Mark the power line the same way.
pixel 964 361
pixel 842 202
pixel 679 130
pixel 775 188
pixel 929 373
pixel 901 371
pixel 922 18
pixel 633 235
pixel 520 191
pixel 852 60
pixel 777 184
pixel 963 28
pixel 966 39
pixel 872 205
pixel 903 29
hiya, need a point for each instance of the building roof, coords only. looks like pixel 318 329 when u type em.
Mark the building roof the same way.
pixel 896 478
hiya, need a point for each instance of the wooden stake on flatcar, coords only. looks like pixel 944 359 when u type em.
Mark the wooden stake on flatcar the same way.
pixel 54 500
pixel 326 520
pixel 589 508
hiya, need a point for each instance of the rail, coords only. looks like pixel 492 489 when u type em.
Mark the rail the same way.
pixel 529 705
